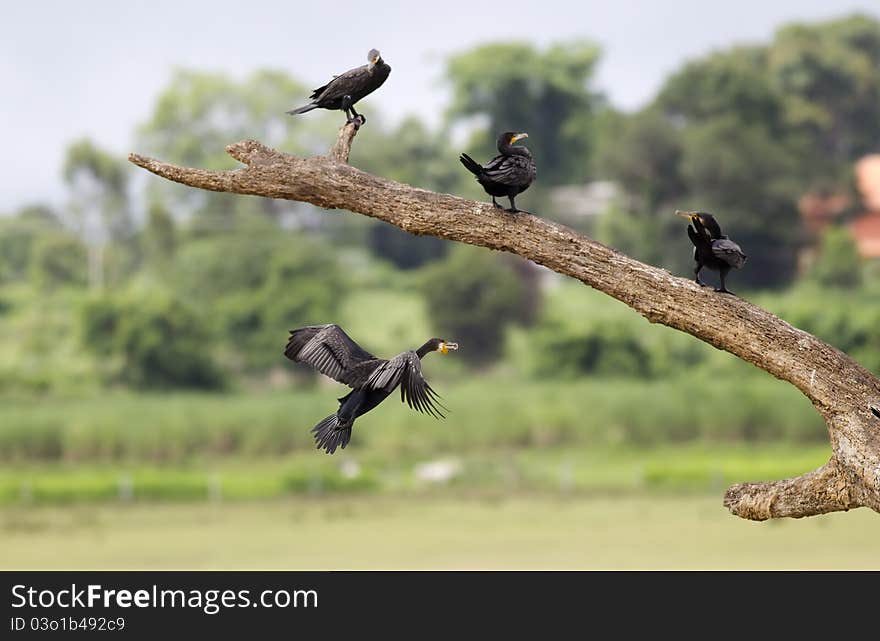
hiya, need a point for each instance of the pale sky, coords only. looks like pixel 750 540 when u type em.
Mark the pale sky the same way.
pixel 94 67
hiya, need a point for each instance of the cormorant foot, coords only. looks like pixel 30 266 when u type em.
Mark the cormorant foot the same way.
pixel 724 290
pixel 512 210
pixel 699 282
pixel 496 205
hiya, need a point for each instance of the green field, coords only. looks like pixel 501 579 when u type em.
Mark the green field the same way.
pixel 369 532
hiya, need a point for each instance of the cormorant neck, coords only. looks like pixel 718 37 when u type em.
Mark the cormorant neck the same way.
pixel 427 348
pixel 513 150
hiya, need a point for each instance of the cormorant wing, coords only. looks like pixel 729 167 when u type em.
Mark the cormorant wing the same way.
pixel 506 170
pixel 728 251
pixel 406 370
pixel 343 84
pixel 329 350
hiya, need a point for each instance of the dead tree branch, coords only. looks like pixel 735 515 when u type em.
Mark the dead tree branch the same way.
pixel 840 389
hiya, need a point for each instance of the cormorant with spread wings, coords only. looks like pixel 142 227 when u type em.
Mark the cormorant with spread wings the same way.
pixel 346 89
pixel 332 352
pixel 508 174
pixel 712 248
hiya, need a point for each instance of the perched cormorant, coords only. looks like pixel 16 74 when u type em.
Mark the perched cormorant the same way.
pixel 712 248
pixel 508 174
pixel 332 352
pixel 346 89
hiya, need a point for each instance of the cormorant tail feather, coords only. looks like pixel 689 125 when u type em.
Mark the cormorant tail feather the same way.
pixel 470 164
pixel 330 434
pixel 303 109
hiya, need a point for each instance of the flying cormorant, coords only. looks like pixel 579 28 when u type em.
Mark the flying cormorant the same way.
pixel 332 352
pixel 346 89
pixel 712 248
pixel 508 174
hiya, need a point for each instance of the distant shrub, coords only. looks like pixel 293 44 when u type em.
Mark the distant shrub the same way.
pixel 158 341
pixel 472 296
pixel 58 259
pixel 838 264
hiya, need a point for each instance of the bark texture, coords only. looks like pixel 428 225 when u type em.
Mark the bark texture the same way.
pixel 840 389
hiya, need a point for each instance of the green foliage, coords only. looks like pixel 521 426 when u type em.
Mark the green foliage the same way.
pixel 261 288
pixel 581 333
pixel 157 341
pixel 17 237
pixel 200 113
pixel 643 152
pixel 410 153
pixel 58 259
pixel 404 250
pixel 827 72
pixel 744 133
pixel 545 93
pixel 605 349
pixel 838 264
pixel 99 184
pixel 847 319
pixel 159 237
pixel 472 296
pixel 176 428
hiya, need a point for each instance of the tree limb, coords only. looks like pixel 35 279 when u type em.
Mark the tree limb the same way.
pixel 841 390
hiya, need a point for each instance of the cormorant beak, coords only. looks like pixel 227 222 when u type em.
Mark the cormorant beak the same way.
pixel 516 137
pixel 445 347
pixel 690 215
pixel 375 60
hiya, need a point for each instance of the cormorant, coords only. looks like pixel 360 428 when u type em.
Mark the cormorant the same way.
pixel 346 89
pixel 508 174
pixel 712 248
pixel 332 352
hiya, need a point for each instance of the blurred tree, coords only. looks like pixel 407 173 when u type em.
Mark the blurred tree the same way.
pixel 827 72
pixel 261 288
pixel 515 87
pixel 18 234
pixel 199 113
pixel 156 340
pixel 159 236
pixel 744 133
pixel 601 348
pixel 742 176
pixel 412 154
pixel 838 263
pixel 643 153
pixel 58 259
pixel 472 296
pixel 405 250
pixel 723 83
pixel 98 182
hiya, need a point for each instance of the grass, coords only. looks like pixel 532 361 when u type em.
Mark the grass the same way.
pixel 554 471
pixel 176 427
pixel 398 533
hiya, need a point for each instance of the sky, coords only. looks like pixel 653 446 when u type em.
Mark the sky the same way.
pixel 95 67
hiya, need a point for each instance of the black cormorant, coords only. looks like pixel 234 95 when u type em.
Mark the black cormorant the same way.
pixel 712 248
pixel 332 352
pixel 508 174
pixel 346 89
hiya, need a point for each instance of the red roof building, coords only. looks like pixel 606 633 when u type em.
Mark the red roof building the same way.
pixel 866 227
